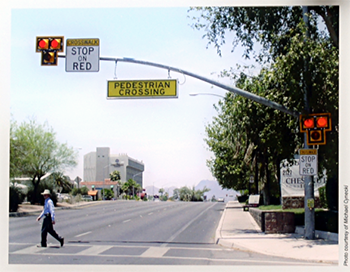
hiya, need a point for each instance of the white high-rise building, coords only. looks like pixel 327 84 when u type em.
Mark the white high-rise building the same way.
pixel 100 163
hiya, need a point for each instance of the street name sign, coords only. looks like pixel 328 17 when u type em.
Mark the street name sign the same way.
pixel 308 162
pixel 129 89
pixel 83 55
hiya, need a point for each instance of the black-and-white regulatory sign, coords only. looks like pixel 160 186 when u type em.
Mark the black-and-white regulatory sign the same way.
pixel 83 55
pixel 308 162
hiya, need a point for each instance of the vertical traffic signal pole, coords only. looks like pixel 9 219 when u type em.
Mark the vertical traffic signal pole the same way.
pixel 309 216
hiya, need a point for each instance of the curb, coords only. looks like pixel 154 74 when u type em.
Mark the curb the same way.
pixel 234 244
pixel 319 234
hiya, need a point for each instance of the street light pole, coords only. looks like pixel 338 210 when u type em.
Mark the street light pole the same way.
pixel 79 148
pixel 103 183
pixel 134 180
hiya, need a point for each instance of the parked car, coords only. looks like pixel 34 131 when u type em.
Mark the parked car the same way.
pixel 87 198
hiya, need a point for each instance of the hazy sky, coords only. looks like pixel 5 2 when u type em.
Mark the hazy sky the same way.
pixel 166 134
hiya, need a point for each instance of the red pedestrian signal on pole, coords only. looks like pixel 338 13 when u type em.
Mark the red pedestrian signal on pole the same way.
pixel 308 123
pixel 315 126
pixel 49 46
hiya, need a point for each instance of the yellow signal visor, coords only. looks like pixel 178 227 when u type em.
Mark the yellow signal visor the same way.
pixel 119 89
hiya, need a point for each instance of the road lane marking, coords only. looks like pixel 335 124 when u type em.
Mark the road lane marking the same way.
pixel 127 221
pixel 94 250
pixel 185 226
pixel 83 234
pixel 155 252
pixel 150 213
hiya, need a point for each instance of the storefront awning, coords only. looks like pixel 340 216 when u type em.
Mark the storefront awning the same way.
pixel 93 193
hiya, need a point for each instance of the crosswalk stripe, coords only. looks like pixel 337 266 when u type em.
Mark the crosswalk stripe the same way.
pixel 151 252
pixel 30 250
pixel 156 252
pixel 94 250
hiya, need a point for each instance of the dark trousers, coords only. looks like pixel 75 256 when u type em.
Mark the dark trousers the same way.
pixel 47 227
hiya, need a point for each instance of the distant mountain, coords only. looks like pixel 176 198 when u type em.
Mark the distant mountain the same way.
pixel 215 189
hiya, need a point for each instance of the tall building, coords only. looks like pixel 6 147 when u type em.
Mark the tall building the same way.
pixel 100 163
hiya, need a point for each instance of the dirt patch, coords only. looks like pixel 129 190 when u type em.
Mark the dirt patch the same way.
pixel 29 208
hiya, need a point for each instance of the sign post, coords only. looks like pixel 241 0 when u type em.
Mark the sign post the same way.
pixel 83 55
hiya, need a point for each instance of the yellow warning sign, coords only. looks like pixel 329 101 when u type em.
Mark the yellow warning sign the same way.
pixel 308 152
pixel 142 89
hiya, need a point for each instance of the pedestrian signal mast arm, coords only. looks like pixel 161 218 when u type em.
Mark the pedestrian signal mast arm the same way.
pixel 238 91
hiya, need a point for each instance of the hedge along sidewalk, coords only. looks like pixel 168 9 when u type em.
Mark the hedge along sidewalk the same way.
pixel 325 220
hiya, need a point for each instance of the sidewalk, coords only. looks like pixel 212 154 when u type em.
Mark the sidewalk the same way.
pixel 237 229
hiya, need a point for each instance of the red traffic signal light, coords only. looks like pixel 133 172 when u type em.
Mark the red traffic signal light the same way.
pixel 49 46
pixel 315 120
pixel 321 122
pixel 49 43
pixel 316 125
pixel 42 44
pixel 308 123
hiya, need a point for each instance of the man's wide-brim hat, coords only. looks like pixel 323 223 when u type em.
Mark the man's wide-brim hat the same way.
pixel 46 192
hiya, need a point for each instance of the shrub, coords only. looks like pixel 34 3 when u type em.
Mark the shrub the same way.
pixel 243 198
pixel 16 198
pixel 42 186
pixel 323 197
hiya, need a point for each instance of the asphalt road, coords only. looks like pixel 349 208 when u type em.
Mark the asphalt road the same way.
pixel 132 233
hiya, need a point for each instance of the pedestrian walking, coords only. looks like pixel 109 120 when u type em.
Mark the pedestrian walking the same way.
pixel 49 220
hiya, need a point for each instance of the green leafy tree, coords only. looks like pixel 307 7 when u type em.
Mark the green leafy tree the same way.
pixel 176 193
pixel 115 176
pixel 130 187
pixel 270 27
pixel 82 191
pixel 188 194
pixel 15 151
pixel 161 191
pixel 248 138
pixel 108 194
pixel 37 152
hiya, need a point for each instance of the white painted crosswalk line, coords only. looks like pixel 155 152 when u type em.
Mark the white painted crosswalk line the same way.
pixel 155 252
pixel 94 250
pixel 30 250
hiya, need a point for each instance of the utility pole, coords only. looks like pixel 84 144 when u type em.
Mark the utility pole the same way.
pixel 309 216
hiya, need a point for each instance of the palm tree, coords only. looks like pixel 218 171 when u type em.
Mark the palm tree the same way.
pixel 131 185
pixel 61 181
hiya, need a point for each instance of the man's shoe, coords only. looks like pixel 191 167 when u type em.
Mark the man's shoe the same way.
pixel 40 246
pixel 62 241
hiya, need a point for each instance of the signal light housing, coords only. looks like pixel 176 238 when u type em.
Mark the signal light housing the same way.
pixel 49 57
pixel 315 125
pixel 49 46
pixel 316 137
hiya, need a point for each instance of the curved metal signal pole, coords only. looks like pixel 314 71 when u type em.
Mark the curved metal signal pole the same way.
pixel 238 91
